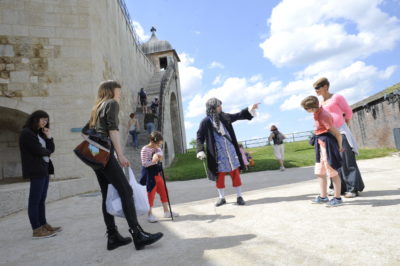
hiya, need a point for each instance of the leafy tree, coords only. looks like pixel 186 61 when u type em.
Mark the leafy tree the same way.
pixel 193 143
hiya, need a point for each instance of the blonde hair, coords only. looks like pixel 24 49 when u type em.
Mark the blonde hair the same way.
pixel 105 92
pixel 310 102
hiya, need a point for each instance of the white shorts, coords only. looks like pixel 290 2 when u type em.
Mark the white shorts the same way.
pixel 279 151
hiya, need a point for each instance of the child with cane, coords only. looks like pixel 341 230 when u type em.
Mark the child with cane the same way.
pixel 151 156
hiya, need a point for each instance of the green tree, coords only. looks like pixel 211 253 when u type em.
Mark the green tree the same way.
pixel 193 143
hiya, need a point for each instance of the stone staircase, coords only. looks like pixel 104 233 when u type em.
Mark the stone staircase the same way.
pixel 133 155
pixel 153 88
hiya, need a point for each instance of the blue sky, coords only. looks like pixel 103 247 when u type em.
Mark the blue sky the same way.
pixel 272 51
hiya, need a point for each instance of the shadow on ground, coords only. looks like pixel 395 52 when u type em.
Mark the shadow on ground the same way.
pixel 207 218
pixel 268 200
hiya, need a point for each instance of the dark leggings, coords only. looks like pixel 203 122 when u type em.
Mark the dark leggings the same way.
pixel 36 203
pixel 113 174
pixel 349 173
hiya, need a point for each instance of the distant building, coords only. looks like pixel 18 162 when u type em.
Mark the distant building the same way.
pixel 376 119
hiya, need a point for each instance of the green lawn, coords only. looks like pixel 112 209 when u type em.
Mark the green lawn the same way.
pixel 297 154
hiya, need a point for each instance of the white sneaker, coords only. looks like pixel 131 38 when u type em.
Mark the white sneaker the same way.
pixel 282 168
pixel 152 219
pixel 168 214
pixel 331 193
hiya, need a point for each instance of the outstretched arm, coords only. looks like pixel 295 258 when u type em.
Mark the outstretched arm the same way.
pixel 247 113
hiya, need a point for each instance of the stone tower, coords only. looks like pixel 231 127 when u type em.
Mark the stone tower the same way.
pixel 165 85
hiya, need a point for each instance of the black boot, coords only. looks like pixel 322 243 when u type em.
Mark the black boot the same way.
pixel 141 238
pixel 115 240
pixel 240 201
pixel 220 202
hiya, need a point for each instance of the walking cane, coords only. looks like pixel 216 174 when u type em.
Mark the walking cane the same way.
pixel 205 168
pixel 166 189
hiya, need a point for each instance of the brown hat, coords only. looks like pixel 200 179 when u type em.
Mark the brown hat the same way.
pixel 321 82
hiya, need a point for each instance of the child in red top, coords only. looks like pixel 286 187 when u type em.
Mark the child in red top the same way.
pixel 328 147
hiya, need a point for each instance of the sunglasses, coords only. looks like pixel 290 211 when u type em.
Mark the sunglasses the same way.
pixel 317 88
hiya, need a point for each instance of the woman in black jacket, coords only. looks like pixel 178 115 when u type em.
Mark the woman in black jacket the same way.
pixel 36 145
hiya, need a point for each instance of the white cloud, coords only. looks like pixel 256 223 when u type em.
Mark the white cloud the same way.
pixel 332 41
pixel 292 102
pixel 328 31
pixel 235 94
pixel 260 118
pixel 140 31
pixel 191 77
pixel 188 125
pixel 216 64
pixel 354 82
pixel 218 80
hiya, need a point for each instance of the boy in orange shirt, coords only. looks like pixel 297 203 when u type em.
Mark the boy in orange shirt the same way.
pixel 328 143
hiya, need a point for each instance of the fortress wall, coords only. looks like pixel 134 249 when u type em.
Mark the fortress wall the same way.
pixel 53 54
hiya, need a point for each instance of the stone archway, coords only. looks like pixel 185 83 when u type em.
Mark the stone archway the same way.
pixel 11 122
pixel 175 124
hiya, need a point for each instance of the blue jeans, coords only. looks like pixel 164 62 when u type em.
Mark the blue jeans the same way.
pixel 36 203
pixel 134 138
pixel 150 127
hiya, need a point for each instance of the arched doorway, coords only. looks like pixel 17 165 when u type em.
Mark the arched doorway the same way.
pixel 11 122
pixel 175 124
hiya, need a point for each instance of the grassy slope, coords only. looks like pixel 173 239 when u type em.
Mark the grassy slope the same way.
pixel 297 154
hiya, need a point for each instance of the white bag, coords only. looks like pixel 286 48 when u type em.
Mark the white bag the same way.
pixel 113 201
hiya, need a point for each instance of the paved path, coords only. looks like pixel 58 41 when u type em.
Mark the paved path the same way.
pixel 278 226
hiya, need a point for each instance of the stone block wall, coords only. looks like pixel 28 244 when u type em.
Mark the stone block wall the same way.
pixel 373 126
pixel 53 55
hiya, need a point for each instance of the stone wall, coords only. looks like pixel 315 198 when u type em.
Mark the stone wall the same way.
pixel 373 126
pixel 53 54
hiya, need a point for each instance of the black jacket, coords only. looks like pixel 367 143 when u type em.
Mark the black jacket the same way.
pixel 148 176
pixel 205 134
pixel 332 149
pixel 33 165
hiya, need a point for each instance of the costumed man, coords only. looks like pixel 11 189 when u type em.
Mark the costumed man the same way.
pixel 222 149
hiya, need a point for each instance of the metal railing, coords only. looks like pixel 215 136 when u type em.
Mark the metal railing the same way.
pixel 125 12
pixel 290 137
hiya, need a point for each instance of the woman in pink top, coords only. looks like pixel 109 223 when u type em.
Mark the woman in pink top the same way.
pixel 342 113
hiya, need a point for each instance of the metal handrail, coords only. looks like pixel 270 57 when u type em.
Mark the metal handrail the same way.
pixel 135 37
pixel 128 20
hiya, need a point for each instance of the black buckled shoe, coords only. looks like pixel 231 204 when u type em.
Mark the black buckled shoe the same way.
pixel 115 240
pixel 142 238
pixel 240 201
pixel 220 202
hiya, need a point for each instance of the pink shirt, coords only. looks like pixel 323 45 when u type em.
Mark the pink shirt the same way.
pixel 337 106
pixel 323 121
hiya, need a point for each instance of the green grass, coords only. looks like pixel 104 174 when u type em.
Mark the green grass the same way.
pixel 297 154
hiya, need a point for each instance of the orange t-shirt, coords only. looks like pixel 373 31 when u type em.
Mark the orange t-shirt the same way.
pixel 323 121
